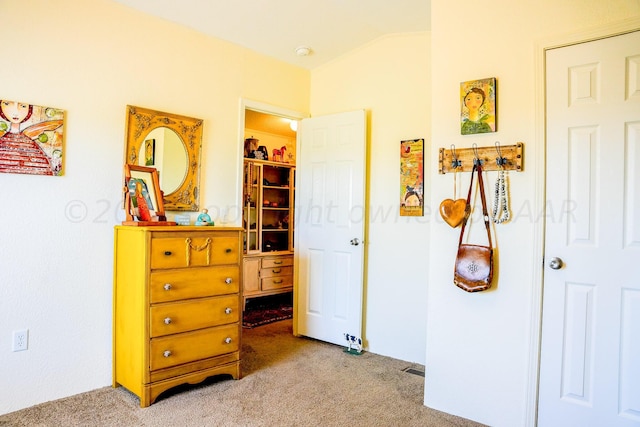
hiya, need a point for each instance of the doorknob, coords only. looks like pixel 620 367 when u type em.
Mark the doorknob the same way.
pixel 355 241
pixel 556 263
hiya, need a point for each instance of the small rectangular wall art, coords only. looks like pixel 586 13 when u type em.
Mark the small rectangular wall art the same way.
pixel 478 106
pixel 412 177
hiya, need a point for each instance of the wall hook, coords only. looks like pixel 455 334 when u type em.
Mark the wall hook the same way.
pixel 476 157
pixel 500 160
pixel 455 163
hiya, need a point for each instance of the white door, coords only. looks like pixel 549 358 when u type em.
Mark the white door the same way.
pixel 330 212
pixel 590 350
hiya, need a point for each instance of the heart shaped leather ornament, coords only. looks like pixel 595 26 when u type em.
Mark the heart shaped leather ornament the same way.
pixel 454 211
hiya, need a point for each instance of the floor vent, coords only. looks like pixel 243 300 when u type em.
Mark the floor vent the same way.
pixel 414 371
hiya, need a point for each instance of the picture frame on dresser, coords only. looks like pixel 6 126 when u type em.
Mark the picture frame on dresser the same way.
pixel 143 203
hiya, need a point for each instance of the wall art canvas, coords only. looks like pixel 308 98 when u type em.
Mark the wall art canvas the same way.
pixel 478 106
pixel 31 138
pixel 412 177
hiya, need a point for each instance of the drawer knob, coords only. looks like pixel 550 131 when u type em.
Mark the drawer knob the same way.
pixel 167 353
pixel 277 262
pixel 277 282
pixel 167 286
pixel 167 321
pixel 228 310
pixel 228 340
pixel 228 250
pixel 276 270
pixel 167 253
pixel 228 280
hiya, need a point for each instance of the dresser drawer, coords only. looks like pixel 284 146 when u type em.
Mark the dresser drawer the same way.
pixel 277 282
pixel 179 317
pixel 175 350
pixel 183 283
pixel 280 261
pixel 276 271
pixel 193 250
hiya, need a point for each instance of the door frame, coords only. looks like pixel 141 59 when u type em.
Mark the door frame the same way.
pixel 249 104
pixel 540 205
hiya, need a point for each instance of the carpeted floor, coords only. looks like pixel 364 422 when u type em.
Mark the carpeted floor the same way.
pixel 269 309
pixel 286 381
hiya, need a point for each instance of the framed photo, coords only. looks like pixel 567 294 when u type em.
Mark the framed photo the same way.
pixel 149 152
pixel 412 177
pixel 478 106
pixel 143 197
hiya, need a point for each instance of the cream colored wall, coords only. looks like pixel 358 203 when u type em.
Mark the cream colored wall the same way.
pixel 481 348
pixel 92 58
pixel 390 79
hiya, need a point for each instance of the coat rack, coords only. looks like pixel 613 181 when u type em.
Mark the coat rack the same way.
pixel 508 157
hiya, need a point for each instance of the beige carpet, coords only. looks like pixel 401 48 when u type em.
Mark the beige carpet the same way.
pixel 287 381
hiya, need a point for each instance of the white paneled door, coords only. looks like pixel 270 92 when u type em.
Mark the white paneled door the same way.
pixel 330 213
pixel 590 351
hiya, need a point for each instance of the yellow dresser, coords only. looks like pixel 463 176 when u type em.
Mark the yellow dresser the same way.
pixel 176 307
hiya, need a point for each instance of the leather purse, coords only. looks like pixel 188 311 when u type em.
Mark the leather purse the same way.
pixel 474 263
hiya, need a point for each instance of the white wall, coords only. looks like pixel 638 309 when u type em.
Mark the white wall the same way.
pixel 481 347
pixel 390 79
pixel 92 58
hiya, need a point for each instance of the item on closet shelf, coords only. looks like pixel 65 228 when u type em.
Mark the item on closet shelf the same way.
pixel 473 270
pixel 454 211
pixel 250 146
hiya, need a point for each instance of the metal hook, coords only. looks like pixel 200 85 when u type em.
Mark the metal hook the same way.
pixel 455 163
pixel 500 161
pixel 476 159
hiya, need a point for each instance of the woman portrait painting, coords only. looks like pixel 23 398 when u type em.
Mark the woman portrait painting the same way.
pixel 478 105
pixel 141 203
pixel 30 139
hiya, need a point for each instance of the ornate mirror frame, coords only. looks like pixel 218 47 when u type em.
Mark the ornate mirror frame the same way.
pixel 141 121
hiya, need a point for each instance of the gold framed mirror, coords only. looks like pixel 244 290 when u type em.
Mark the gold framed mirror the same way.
pixel 171 144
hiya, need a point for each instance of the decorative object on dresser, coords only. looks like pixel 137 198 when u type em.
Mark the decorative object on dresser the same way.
pixel 142 197
pixel 268 231
pixel 176 307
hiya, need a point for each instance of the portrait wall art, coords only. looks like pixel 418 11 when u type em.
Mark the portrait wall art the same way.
pixel 412 177
pixel 31 138
pixel 478 106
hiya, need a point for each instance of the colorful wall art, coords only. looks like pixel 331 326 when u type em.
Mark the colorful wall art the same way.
pixel 412 177
pixel 31 138
pixel 478 106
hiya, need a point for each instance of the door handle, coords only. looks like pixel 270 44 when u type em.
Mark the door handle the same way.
pixel 556 263
pixel 355 241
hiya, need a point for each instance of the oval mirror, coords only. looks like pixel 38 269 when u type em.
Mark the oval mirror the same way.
pixel 171 144
pixel 164 150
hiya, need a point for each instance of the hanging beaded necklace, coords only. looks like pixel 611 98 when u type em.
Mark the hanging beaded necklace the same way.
pixel 501 212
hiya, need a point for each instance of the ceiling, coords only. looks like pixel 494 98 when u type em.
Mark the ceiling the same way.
pixel 255 120
pixel 330 28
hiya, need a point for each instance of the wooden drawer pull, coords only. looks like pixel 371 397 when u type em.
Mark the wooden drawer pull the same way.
pixel 277 282
pixel 277 262
pixel 276 270
pixel 167 353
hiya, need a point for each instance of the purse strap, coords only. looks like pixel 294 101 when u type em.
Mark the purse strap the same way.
pixel 477 168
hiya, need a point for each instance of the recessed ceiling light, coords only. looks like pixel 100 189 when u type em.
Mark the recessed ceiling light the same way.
pixel 303 51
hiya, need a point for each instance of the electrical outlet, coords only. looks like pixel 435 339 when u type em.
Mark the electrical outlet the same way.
pixel 20 340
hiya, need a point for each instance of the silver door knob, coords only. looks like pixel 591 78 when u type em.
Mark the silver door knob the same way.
pixel 355 241
pixel 556 263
